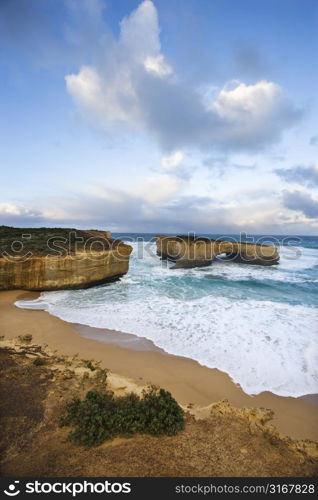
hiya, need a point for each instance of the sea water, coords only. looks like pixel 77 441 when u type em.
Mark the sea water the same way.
pixel 258 324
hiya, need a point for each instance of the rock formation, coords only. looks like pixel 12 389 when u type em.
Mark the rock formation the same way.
pixel 190 251
pixel 227 441
pixel 56 259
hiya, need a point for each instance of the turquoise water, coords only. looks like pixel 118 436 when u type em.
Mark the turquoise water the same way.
pixel 258 324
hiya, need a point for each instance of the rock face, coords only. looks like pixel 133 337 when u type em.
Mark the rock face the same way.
pixel 189 251
pixel 54 263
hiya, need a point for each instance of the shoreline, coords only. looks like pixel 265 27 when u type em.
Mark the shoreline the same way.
pixel 138 359
pixel 134 342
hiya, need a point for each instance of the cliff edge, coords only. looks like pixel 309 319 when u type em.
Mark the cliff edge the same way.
pixel 57 259
pixel 229 441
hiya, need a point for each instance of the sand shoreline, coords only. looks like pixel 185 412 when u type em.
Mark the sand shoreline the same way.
pixel 135 343
pixel 138 360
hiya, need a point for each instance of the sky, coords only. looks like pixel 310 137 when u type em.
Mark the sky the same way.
pixel 160 116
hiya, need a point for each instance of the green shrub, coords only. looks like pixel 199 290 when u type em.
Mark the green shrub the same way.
pixel 101 416
pixel 39 361
pixel 92 418
pixel 162 413
pixel 129 415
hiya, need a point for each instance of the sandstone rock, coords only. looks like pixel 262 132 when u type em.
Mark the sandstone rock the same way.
pixel 186 263
pixel 258 421
pixel 95 260
pixel 189 251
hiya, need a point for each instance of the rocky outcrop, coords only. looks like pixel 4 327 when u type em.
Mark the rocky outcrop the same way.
pixel 258 421
pixel 52 261
pixel 189 251
pixel 238 442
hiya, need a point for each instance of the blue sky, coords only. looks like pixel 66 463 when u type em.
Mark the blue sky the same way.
pixel 179 115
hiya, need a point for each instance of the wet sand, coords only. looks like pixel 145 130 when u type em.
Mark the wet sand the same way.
pixel 140 360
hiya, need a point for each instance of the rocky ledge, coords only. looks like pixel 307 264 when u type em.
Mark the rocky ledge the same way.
pixel 223 441
pixel 190 251
pixel 57 259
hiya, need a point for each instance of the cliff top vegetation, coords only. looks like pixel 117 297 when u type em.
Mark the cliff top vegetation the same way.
pixel 53 240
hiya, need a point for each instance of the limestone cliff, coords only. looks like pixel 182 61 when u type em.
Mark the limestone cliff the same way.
pixel 55 259
pixel 189 251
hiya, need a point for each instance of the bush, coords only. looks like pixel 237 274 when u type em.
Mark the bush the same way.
pixel 162 413
pixel 39 362
pixel 101 416
pixel 93 418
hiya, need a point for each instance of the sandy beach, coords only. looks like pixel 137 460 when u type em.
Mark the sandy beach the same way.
pixel 139 360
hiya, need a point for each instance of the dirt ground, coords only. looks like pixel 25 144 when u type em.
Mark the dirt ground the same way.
pixel 230 442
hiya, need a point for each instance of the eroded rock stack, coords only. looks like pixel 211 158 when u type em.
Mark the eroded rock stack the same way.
pixel 190 251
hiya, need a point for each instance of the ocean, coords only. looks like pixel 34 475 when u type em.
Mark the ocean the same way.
pixel 258 324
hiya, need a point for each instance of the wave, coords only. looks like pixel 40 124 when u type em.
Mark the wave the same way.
pixel 255 323
pixel 264 346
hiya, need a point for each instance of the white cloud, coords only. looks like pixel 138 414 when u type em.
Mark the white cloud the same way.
pixel 15 209
pixel 16 213
pixel 158 206
pixel 109 93
pixel 133 87
pixel 259 110
pixel 116 100
pixel 172 161
pixel 251 101
pixel 10 208
pixel 159 189
pixel 139 33
pixel 157 65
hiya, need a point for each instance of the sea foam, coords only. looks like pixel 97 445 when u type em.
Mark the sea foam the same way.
pixel 210 315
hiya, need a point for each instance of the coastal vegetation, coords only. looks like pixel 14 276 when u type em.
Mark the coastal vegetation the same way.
pixel 228 441
pixel 51 240
pixel 101 416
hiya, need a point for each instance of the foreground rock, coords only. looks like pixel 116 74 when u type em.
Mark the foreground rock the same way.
pixel 58 259
pixel 189 251
pixel 229 441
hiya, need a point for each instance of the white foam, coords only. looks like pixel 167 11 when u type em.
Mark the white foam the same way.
pixel 263 345
pixel 299 259
pixel 291 264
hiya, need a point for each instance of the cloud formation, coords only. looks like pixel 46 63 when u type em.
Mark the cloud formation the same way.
pixel 136 210
pixel 136 87
pixel 18 214
pixel 172 161
pixel 301 201
pixel 307 176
